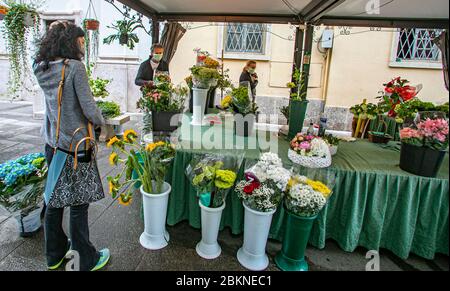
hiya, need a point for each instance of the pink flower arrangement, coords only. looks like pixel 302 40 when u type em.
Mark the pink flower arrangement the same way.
pixel 432 133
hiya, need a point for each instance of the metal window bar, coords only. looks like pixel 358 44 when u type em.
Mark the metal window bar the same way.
pixel 245 38
pixel 417 45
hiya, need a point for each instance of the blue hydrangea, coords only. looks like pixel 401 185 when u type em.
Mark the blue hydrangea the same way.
pixel 11 171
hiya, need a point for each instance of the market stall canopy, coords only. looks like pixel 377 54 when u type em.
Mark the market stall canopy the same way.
pixel 381 13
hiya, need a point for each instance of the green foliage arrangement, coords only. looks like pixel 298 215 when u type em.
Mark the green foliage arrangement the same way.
pixel 109 109
pixel 20 20
pixel 241 101
pixel 125 33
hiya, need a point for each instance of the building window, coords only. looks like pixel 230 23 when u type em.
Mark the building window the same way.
pixel 415 48
pixel 245 38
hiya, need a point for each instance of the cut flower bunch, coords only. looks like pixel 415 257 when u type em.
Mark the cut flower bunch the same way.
pixel 264 184
pixel 149 163
pixel 22 182
pixel 305 197
pixel 213 176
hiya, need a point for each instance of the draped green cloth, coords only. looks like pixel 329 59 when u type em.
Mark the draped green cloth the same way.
pixel 375 204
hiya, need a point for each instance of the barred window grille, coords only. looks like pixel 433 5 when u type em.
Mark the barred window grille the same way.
pixel 245 38
pixel 417 45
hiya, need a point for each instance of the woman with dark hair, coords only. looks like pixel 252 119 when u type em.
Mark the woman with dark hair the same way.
pixel 69 105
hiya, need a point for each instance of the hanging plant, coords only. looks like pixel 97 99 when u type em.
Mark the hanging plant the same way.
pixel 91 34
pixel 125 33
pixel 19 21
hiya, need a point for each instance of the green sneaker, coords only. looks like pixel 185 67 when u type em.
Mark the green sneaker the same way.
pixel 54 267
pixel 104 258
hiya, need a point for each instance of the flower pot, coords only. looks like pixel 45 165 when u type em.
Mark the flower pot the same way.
pixel 244 126
pixel 29 223
pixel 296 236
pixel 297 116
pixel 155 235
pixel 212 98
pixel 92 24
pixel 123 39
pixel 421 161
pixel 200 96
pixel 208 248
pixel 257 224
pixel 161 121
pixel 383 138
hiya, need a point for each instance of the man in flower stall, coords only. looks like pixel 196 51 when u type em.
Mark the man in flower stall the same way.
pixel 154 64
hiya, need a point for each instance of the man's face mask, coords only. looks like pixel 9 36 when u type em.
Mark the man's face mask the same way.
pixel 157 57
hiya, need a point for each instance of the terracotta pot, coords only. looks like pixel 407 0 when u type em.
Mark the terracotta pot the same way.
pixel 92 24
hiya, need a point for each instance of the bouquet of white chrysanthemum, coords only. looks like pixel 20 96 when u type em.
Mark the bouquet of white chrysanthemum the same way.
pixel 306 197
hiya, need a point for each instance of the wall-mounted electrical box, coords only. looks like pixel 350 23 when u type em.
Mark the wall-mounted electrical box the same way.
pixel 327 39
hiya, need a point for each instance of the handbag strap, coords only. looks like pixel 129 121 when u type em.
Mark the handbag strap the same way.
pixel 90 132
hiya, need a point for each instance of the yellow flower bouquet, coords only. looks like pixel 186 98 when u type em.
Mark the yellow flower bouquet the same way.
pixel 145 165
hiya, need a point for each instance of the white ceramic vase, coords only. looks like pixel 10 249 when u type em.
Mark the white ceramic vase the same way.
pixel 199 103
pixel 208 248
pixel 155 235
pixel 257 224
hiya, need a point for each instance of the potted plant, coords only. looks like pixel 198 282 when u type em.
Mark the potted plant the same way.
pixel 261 193
pixel 380 137
pixel 204 76
pixel 19 21
pixel 363 115
pixel 212 176
pixel 333 143
pixel 297 103
pixel 303 202
pixel 22 184
pixel 309 151
pixel 125 33
pixel 244 110
pixel 396 92
pixel 156 159
pixel 163 102
pixel 424 147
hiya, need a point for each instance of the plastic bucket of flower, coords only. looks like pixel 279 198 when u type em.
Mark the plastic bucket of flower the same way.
pixel 304 200
pixel 424 147
pixel 22 184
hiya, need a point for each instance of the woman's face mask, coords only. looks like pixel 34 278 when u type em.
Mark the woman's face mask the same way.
pixel 157 57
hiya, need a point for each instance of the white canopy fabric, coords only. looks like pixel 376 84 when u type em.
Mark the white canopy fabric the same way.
pixel 392 13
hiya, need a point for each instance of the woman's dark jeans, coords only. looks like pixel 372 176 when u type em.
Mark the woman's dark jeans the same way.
pixel 56 242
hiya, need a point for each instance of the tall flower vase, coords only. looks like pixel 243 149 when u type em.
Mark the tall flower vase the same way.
pixel 297 114
pixel 155 235
pixel 296 237
pixel 257 224
pixel 200 96
pixel 208 248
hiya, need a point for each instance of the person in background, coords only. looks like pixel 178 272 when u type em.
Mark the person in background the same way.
pixel 149 67
pixel 64 43
pixel 249 75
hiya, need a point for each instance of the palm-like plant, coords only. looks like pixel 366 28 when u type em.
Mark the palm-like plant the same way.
pixel 125 33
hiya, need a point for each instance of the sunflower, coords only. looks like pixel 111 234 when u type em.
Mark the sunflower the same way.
pixel 151 147
pixel 113 142
pixel 125 199
pixel 113 159
pixel 130 136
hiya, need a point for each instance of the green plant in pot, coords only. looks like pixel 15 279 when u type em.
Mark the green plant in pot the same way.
pixel 20 20
pixel 297 103
pixel 244 110
pixel 125 33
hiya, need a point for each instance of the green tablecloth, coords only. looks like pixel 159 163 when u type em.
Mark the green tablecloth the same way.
pixel 375 204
